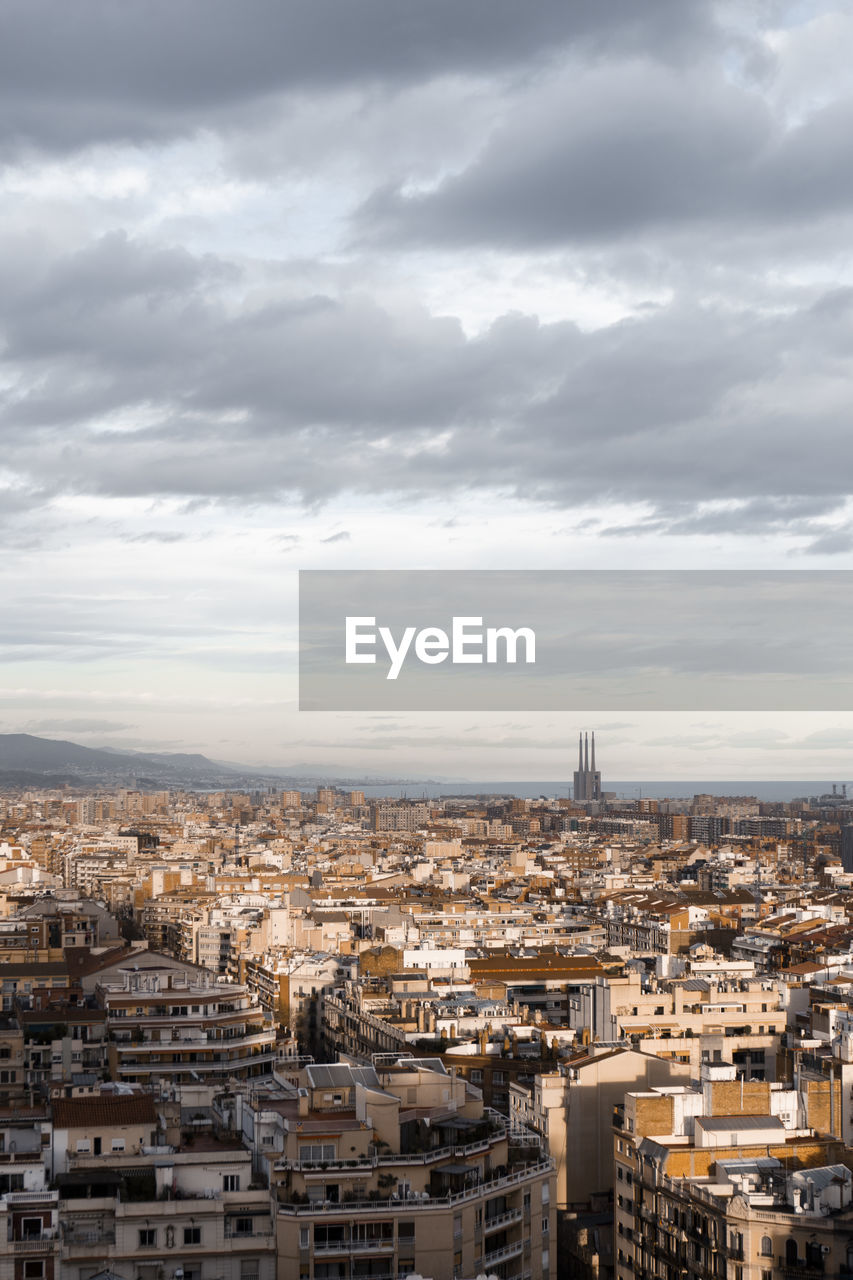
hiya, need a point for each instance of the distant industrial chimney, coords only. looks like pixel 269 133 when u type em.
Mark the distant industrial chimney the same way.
pixel 587 780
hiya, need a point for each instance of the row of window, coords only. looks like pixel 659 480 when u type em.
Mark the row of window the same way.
pixel 149 1236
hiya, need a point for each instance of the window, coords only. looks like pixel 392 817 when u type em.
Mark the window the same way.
pixel 117 1144
pixel 318 1152
pixel 242 1227
pixel 230 1182
pixel 192 1235
pixel 147 1237
pixel 370 1232
pixel 34 1270
pixel 766 1247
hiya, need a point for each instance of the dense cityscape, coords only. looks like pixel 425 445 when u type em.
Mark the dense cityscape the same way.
pixel 426 817
pixel 300 1034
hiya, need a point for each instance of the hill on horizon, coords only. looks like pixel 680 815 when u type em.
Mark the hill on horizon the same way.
pixel 25 753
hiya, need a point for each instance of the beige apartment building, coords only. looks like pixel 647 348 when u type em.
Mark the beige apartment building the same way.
pixel 169 1021
pixel 181 1210
pixel 387 1171
pixel 682 1158
pixel 572 1108
pixel 618 1006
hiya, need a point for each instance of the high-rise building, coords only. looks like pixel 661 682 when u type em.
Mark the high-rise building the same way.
pixel 587 783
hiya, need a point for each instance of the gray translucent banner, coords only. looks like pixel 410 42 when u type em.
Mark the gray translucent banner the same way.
pixel 581 640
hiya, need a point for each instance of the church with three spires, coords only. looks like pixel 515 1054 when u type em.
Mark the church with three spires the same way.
pixel 587 784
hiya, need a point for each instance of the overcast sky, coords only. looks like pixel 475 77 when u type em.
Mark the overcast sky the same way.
pixel 409 283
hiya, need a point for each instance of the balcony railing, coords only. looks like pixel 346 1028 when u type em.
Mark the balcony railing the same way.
pixel 368 1162
pixel 506 1251
pixel 35 1244
pixel 502 1220
pixel 30 1197
pixel 355 1246
pixel 215 1063
pixel 418 1202
pixel 86 1242
pixel 188 1043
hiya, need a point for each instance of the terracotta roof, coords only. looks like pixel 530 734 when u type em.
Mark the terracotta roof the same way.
pixel 103 1111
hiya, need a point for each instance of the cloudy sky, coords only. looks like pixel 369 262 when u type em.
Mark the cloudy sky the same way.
pixel 409 283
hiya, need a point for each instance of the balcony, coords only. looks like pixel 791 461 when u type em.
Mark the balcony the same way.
pixel 418 1203
pixel 13 1198
pixel 354 1246
pixel 188 1042
pixel 505 1251
pixel 502 1220
pixel 82 1244
pixel 35 1244
pixel 216 1063
pixel 77 1235
pixel 367 1163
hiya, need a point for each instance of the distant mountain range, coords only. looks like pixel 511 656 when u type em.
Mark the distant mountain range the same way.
pixel 26 760
pixel 24 757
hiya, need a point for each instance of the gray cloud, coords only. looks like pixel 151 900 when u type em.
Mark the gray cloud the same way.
pixel 143 377
pixel 76 725
pixel 835 542
pixel 639 150
pixel 761 515
pixel 165 536
pixel 71 76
